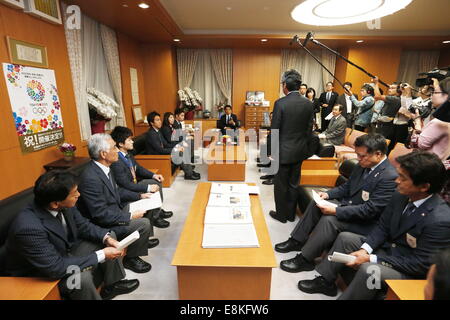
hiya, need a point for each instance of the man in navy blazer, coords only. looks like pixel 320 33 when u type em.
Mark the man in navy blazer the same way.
pixel 327 100
pixel 413 227
pixel 51 239
pixel 228 121
pixel 361 200
pixel 102 201
pixel 131 176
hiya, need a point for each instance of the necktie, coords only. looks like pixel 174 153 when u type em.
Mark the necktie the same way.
pixel 366 173
pixel 228 119
pixel 410 208
pixel 59 216
pixel 133 171
pixel 111 180
pixel 328 97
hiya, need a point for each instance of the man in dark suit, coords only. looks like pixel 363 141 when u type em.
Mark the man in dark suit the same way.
pixel 361 201
pixel 102 202
pixel 350 110
pixel 51 239
pixel 327 101
pixel 133 177
pixel 413 227
pixel 335 133
pixel 156 144
pixel 292 122
pixel 228 121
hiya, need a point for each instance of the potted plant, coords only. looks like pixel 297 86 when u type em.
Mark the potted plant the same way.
pixel 68 150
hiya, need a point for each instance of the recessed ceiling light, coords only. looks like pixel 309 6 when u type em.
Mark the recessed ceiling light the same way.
pixel 341 12
pixel 125 5
pixel 264 40
pixel 228 8
pixel 446 41
pixel 177 40
pixel 360 41
pixel 143 5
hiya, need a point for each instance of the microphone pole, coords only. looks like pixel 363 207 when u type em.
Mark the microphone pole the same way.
pixel 346 60
pixel 297 40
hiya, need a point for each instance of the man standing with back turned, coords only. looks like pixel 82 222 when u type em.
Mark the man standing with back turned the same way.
pixel 293 119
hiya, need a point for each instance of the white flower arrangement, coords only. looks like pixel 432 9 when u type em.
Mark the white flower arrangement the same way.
pixel 190 98
pixel 101 103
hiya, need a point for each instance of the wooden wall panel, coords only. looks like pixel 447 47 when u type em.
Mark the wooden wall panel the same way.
pixel 160 76
pixel 18 170
pixel 131 57
pixel 341 71
pixel 255 69
pixel 444 58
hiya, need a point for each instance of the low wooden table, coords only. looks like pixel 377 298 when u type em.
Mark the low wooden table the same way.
pixel 28 289
pixel 226 162
pixel 222 274
pixel 326 178
pixel 406 289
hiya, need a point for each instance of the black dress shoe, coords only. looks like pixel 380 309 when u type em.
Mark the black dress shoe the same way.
pixel 274 215
pixel 165 214
pixel 318 285
pixel 161 223
pixel 136 265
pixel 267 177
pixel 152 243
pixel 192 177
pixel 288 246
pixel 297 264
pixel 120 287
pixel 268 182
pixel 196 174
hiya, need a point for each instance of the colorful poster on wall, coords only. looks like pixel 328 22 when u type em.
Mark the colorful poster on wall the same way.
pixel 35 106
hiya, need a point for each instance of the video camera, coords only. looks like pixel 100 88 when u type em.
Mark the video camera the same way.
pixel 439 74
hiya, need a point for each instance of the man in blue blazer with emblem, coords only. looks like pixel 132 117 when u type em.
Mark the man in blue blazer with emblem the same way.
pixel 133 177
pixel 413 227
pixel 361 200
pixel 51 239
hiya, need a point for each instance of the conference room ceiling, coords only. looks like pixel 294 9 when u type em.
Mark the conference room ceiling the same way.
pixel 243 23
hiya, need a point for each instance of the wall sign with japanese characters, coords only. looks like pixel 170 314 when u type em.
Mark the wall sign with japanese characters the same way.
pixel 35 105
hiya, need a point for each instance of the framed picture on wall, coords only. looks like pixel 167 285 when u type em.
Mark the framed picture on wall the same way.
pixel 18 4
pixel 138 115
pixel 45 9
pixel 26 53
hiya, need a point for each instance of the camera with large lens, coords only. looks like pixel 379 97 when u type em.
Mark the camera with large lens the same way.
pixel 426 77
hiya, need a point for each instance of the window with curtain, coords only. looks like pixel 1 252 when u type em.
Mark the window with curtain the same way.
pixel 414 62
pixel 211 74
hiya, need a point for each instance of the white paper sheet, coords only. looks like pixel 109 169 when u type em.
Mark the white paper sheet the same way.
pixel 129 240
pixel 322 202
pixel 147 204
pixel 230 236
pixel 341 258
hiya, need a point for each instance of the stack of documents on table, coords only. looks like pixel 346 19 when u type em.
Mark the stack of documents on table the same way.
pixel 228 218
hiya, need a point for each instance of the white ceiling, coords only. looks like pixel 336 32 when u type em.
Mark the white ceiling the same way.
pixel 421 17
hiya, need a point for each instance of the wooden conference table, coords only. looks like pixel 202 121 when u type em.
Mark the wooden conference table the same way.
pixel 222 274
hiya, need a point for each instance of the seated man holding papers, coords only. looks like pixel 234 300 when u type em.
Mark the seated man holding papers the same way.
pixel 413 227
pixel 51 239
pixel 135 178
pixel 102 202
pixel 360 202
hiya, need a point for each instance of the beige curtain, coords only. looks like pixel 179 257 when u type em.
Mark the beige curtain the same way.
pixel 222 62
pixel 329 61
pixel 186 64
pixel 301 61
pixel 111 50
pixel 75 51
pixel 414 62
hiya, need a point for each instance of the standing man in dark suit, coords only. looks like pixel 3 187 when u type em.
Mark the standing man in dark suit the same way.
pixel 133 177
pixel 361 201
pixel 350 110
pixel 51 239
pixel 102 202
pixel 327 101
pixel 228 121
pixel 156 144
pixel 292 121
pixel 413 227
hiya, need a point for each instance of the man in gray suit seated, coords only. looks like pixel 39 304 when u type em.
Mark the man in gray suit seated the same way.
pixel 335 132
pixel 361 200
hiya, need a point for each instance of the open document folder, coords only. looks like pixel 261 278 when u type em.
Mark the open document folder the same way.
pixel 322 202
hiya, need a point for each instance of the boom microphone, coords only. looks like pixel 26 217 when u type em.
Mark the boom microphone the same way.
pixel 308 38
pixel 294 40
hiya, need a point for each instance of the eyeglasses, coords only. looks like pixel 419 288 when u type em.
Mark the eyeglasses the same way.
pixel 441 92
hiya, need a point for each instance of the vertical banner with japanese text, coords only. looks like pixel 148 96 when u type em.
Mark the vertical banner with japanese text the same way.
pixel 35 106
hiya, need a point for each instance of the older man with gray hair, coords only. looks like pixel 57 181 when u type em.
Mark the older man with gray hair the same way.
pixel 101 202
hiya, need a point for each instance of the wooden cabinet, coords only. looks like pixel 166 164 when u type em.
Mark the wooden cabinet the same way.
pixel 255 117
